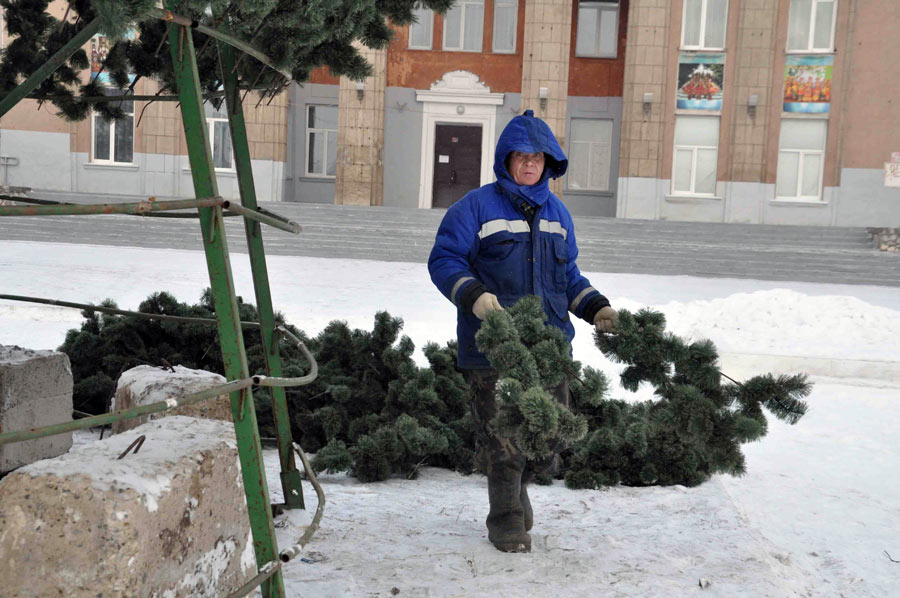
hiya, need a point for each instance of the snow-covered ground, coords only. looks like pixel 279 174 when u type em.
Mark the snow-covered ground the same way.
pixel 818 513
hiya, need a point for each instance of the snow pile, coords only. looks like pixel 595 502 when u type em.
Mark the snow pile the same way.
pixel 785 322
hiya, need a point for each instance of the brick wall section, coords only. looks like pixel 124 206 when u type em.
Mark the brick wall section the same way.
pixel 548 25
pixel 361 136
pixel 753 75
pixel 646 56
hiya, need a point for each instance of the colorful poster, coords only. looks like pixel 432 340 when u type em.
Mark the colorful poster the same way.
pixel 701 81
pixel 807 84
pixel 100 46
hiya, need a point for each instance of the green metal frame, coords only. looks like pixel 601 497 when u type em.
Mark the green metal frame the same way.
pixel 212 225
pixel 210 211
pixel 290 476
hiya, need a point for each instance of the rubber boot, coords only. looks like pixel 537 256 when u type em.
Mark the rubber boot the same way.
pixel 527 513
pixel 505 520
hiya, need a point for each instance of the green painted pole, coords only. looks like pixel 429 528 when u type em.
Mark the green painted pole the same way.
pixel 49 67
pixel 108 418
pixel 184 60
pixel 141 207
pixel 290 476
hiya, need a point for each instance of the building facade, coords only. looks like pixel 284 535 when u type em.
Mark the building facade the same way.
pixel 757 111
pixel 144 154
pixel 421 131
pixel 762 111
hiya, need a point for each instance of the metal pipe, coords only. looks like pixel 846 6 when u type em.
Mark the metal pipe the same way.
pixel 47 202
pixel 292 551
pixel 49 67
pixel 131 413
pixel 268 218
pixel 119 312
pixel 169 16
pixel 265 572
pixel 142 207
pixel 299 381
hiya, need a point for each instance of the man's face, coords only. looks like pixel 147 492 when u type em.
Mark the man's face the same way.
pixel 526 169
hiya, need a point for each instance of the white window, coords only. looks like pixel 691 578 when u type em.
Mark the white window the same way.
pixel 590 154
pixel 598 29
pixel 801 159
pixel 113 140
pixel 704 24
pixel 696 154
pixel 219 136
pixel 811 26
pixel 464 25
pixel 506 13
pixel 420 32
pixel 321 141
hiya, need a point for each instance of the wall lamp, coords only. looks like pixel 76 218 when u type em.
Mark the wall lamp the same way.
pixel 648 101
pixel 542 96
pixel 752 103
pixel 360 90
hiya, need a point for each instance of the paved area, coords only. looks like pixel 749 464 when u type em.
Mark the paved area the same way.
pixel 763 252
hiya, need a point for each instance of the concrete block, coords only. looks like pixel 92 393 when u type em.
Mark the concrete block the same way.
pixel 146 384
pixel 35 390
pixel 169 521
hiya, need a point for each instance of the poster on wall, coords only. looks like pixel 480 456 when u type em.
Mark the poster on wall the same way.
pixel 100 47
pixel 807 84
pixel 700 81
pixel 892 171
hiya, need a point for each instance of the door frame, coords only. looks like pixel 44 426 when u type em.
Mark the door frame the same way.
pixel 439 123
pixel 457 99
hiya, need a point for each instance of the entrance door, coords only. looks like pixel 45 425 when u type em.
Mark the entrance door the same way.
pixel 457 163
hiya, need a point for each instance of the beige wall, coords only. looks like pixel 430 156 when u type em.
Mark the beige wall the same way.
pixel 359 178
pixel 872 118
pixel 548 26
pixel 647 69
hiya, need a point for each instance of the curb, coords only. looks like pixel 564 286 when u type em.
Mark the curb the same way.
pixel 887 371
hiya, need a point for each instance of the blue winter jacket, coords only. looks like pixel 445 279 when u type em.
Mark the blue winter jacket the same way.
pixel 512 241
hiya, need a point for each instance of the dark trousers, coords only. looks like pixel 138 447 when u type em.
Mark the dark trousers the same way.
pixel 494 449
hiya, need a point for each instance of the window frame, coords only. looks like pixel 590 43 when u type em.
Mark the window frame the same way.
pixel 464 4
pixel 819 198
pixel 111 161
pixel 210 125
pixel 428 21
pixel 703 18
pixel 591 145
pixel 600 5
pixel 515 26
pixel 812 30
pixel 695 148
pixel 309 131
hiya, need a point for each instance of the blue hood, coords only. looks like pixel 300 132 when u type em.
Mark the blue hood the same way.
pixel 528 134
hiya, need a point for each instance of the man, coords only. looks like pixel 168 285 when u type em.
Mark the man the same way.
pixel 499 243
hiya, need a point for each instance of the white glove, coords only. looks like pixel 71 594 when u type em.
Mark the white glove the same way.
pixel 605 319
pixel 486 302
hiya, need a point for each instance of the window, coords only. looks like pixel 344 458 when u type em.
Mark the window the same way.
pixel 811 26
pixel 590 154
pixel 704 24
pixel 114 139
pixel 321 141
pixel 696 154
pixel 219 136
pixel 597 34
pixel 801 159
pixel 506 13
pixel 420 32
pixel 463 26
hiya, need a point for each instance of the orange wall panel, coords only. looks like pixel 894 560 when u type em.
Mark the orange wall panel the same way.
pixel 603 77
pixel 323 75
pixel 418 69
